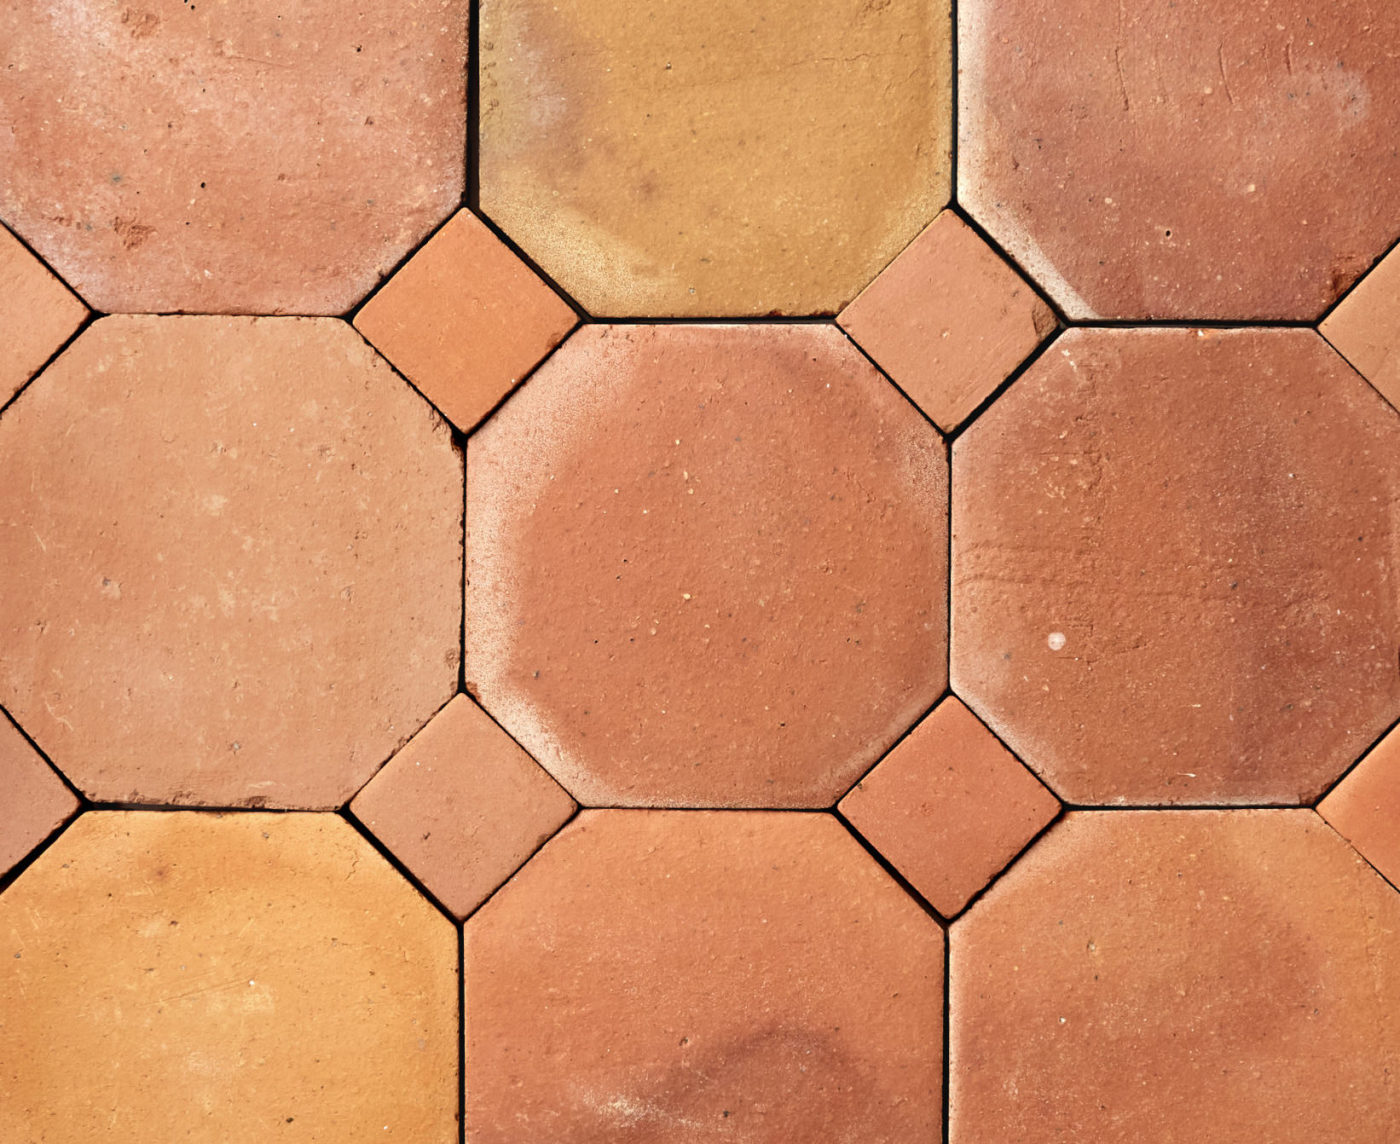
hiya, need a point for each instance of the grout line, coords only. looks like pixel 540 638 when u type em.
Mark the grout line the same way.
pixel 1365 754
pixel 1358 852
pixel 388 276
pixel 8 879
pixel 860 349
pixel 461 1033
pixel 889 868
pixel 865 774
pixel 511 392
pixel 975 225
pixel 46 264
pixel 461 438
pixel 540 273
pixel 972 418
pixel 954 94
pixel 484 901
pixel 471 157
pixel 83 801
pixel 772 318
pixel 1015 858
pixel 1360 278
pixel 393 859
pixel 947 1032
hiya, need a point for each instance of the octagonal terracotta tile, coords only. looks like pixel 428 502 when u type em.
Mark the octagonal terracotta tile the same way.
pixel 1195 159
pixel 706 565
pixel 172 155
pixel 718 159
pixel 663 975
pixel 233 558
pixel 1207 975
pixel 38 313
pixel 465 320
pixel 247 977
pixel 1174 567
pixel 36 802
pixel 949 807
pixel 462 806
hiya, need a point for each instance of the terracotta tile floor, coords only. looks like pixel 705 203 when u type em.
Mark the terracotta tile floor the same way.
pixel 744 572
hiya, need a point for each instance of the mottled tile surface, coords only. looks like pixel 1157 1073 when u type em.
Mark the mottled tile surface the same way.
pixel 706 565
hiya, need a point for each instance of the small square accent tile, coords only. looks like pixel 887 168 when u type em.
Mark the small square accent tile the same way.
pixel 949 807
pixel 1365 327
pixel 38 313
pixel 948 320
pixel 465 319
pixel 35 800
pixel 462 806
pixel 1365 807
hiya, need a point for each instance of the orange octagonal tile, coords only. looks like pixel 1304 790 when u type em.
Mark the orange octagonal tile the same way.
pixel 462 806
pixel 1187 159
pixel 208 157
pixel 706 565
pixel 1178 975
pixel 668 975
pixel 1174 566
pixel 232 553
pixel 712 160
pixel 240 978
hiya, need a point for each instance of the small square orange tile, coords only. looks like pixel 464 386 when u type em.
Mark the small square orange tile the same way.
pixel 948 320
pixel 1364 808
pixel 462 806
pixel 1365 327
pixel 38 313
pixel 35 800
pixel 949 807
pixel 465 320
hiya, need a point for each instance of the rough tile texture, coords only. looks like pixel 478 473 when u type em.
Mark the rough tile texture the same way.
pixel 706 565
pixel 247 158
pixel 1194 159
pixel 1178 976
pixel 948 320
pixel 1174 566
pixel 465 320
pixel 717 159
pixel 662 975
pixel 233 554
pixel 35 800
pixel 1365 807
pixel 462 806
pixel 252 977
pixel 949 807
pixel 1366 327
pixel 38 313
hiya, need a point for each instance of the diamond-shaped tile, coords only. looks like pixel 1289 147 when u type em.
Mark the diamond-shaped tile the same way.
pixel 948 320
pixel 1365 807
pixel 1365 327
pixel 462 806
pixel 35 800
pixel 465 320
pixel 38 313
pixel 949 807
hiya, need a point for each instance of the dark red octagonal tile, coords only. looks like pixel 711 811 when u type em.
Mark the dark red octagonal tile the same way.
pixel 706 565
pixel 1193 159
pixel 1174 566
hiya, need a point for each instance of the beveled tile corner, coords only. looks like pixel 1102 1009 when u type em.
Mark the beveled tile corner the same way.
pixel 1173 578
pixel 230 158
pixel 465 319
pixel 232 553
pixel 658 975
pixel 1365 327
pixel 1178 975
pixel 949 807
pixel 35 803
pixel 243 978
pixel 948 320
pixel 718 161
pixel 462 806
pixel 1202 160
pixel 1364 808
pixel 38 313
pixel 706 565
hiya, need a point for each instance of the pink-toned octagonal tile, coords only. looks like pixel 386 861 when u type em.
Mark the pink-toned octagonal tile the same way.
pixel 672 975
pixel 1178 975
pixel 1174 566
pixel 706 565
pixel 208 157
pixel 232 553
pixel 1187 159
